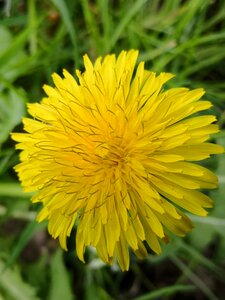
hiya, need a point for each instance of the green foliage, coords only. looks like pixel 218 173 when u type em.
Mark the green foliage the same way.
pixel 12 108
pixel 166 291
pixel 13 287
pixel 186 38
pixel 60 286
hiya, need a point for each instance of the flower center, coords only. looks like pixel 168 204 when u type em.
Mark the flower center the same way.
pixel 102 150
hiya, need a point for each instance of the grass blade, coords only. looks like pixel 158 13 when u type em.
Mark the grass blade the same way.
pixel 167 291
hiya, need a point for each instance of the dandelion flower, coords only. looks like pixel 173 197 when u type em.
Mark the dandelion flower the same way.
pixel 114 152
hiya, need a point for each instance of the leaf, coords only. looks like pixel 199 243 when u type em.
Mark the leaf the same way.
pixel 93 291
pixel 24 238
pixel 196 257
pixel 9 45
pixel 197 281
pixel 121 27
pixel 5 39
pixel 12 108
pixel 60 285
pixel 164 292
pixel 13 189
pixel 201 235
pixel 7 160
pixel 65 13
pixel 13 286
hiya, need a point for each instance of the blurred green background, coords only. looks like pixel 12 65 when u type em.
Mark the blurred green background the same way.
pixel 38 38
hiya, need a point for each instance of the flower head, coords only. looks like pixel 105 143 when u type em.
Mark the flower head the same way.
pixel 115 152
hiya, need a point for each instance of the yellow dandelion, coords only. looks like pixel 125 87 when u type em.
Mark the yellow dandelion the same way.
pixel 114 152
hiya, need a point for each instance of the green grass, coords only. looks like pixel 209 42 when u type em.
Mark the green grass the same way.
pixel 38 38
